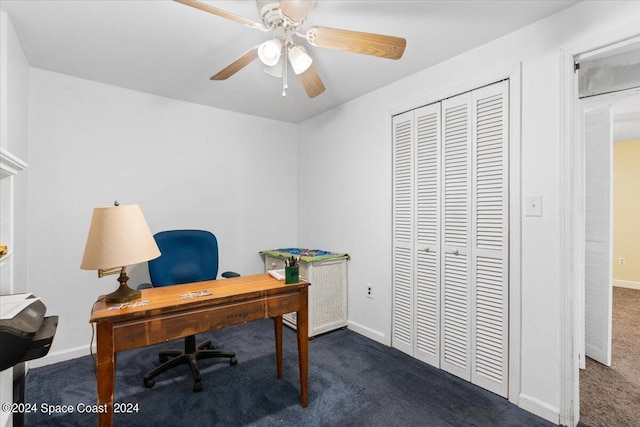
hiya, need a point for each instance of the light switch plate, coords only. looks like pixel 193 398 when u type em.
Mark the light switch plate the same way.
pixel 534 206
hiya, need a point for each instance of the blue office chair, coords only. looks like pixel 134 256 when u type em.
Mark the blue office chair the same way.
pixel 187 256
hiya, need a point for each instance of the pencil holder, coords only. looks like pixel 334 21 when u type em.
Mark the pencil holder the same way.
pixel 291 274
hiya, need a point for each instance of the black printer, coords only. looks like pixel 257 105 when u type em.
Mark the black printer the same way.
pixel 25 332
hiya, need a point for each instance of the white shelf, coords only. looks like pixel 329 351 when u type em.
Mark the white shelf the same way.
pixel 10 164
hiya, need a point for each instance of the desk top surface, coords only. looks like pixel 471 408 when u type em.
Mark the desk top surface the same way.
pixel 188 296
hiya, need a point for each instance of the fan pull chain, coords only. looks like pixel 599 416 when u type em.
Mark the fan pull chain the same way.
pixel 285 64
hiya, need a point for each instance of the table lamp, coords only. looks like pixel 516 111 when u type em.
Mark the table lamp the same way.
pixel 118 236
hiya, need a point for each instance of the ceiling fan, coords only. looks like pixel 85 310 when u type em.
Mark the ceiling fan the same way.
pixel 285 20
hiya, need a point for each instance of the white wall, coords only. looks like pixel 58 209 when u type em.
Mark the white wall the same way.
pixel 188 166
pixel 345 202
pixel 18 68
pixel 14 96
pixel 16 76
pixel 348 151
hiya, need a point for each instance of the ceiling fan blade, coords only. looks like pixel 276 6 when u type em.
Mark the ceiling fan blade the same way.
pixel 354 41
pixel 236 65
pixel 222 13
pixel 296 10
pixel 311 82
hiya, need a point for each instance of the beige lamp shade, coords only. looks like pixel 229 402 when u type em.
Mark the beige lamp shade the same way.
pixel 118 236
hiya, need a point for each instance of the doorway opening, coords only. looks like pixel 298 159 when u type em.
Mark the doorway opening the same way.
pixel 610 384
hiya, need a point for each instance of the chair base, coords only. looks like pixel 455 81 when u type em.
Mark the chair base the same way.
pixel 190 355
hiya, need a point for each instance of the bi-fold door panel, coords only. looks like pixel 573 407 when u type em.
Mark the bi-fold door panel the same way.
pixel 403 231
pixel 427 255
pixel 489 254
pixel 416 231
pixel 455 347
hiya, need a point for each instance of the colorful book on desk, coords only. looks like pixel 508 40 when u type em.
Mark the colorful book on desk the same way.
pixel 276 274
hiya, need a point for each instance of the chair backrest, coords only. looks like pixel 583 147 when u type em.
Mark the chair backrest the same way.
pixel 186 256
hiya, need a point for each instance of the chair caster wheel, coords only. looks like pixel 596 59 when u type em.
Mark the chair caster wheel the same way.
pixel 197 386
pixel 162 359
pixel 149 383
pixel 233 361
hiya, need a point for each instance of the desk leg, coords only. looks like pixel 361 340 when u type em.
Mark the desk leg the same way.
pixel 277 324
pixel 302 327
pixel 105 371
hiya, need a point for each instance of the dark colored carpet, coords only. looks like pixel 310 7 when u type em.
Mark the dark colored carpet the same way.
pixel 610 396
pixel 353 381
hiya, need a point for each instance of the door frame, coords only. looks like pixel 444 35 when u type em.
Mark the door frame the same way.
pixel 572 220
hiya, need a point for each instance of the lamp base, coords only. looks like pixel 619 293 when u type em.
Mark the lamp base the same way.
pixel 124 293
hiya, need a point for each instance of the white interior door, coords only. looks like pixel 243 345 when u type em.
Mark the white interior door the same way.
pixel 598 234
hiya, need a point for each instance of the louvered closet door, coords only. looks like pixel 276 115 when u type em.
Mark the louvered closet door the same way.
pixel 455 347
pixel 403 203
pixel 489 253
pixel 427 274
pixel 450 235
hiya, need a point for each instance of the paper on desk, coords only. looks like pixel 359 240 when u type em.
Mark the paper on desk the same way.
pixel 276 274
pixel 10 305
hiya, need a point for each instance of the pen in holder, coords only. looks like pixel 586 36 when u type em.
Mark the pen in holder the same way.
pixel 291 270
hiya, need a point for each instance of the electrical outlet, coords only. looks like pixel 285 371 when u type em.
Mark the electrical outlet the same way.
pixel 533 206
pixel 369 291
pixel 621 261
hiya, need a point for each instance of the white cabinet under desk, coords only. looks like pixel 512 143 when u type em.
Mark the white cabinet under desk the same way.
pixel 328 291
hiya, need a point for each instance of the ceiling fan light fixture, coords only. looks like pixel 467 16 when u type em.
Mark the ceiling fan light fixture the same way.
pixel 285 19
pixel 299 58
pixel 275 70
pixel 269 52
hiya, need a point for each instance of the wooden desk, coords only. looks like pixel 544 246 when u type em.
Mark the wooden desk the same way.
pixel 167 316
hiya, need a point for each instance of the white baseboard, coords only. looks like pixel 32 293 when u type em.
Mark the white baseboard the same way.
pixel 540 408
pixel 626 284
pixel 368 332
pixel 61 356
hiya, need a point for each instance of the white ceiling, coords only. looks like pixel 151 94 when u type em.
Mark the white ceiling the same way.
pixel 169 49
